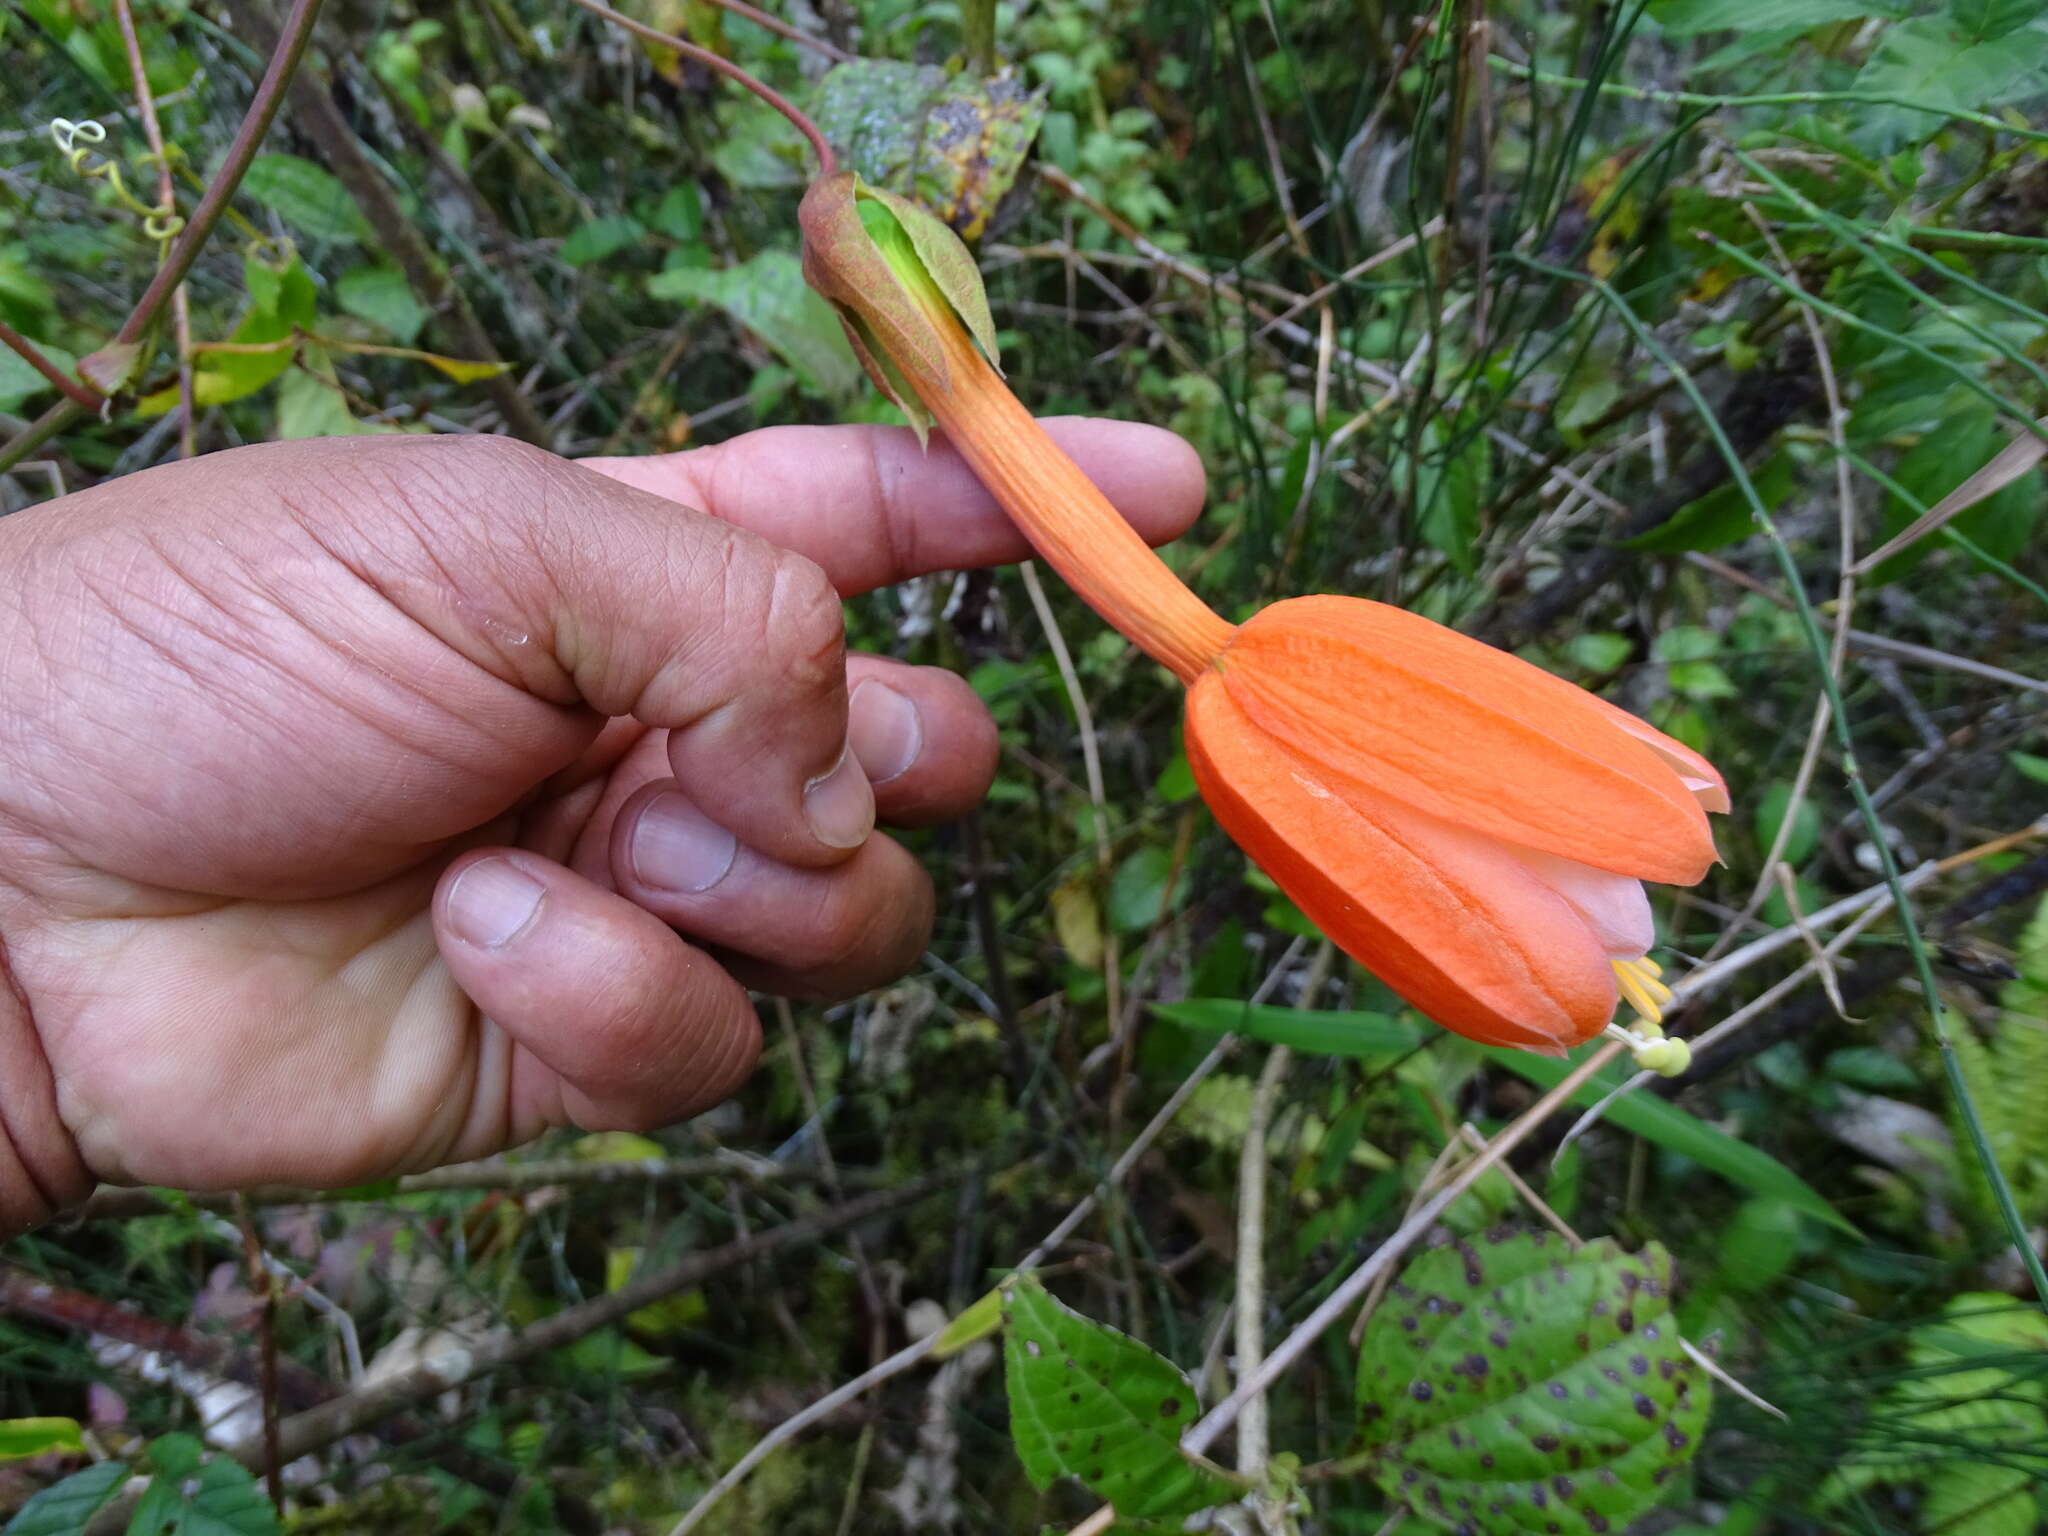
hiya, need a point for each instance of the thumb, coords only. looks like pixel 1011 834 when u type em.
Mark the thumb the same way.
pixel 597 596
pixel 633 1027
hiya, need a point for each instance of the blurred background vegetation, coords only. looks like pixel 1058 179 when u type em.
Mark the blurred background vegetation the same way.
pixel 1694 350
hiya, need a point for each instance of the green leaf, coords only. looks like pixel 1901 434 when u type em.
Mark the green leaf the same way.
pixel 977 1320
pixel 1945 457
pixel 19 381
pixel 1870 1067
pixel 1369 1036
pixel 608 1355
pixel 1686 642
pixel 757 148
pixel 680 213
pixel 1094 1404
pixel 66 1508
pixel 1759 1244
pixel 600 239
pixel 281 301
pixel 1771 806
pixel 1601 652
pixel 1683 18
pixel 306 196
pixel 176 1455
pixel 461 369
pixel 767 294
pixel 224 1501
pixel 2029 766
pixel 310 404
pixel 1675 1130
pixel 1446 486
pixel 1141 888
pixel 1928 60
pixel 953 141
pixel 1702 680
pixel 1176 781
pixel 382 296
pixel 1721 517
pixel 32 1437
pixel 1508 1386
pixel 1988 20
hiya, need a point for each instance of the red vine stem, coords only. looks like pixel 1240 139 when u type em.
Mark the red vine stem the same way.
pixel 827 161
pixel 293 39
pixel 780 28
pixel 80 394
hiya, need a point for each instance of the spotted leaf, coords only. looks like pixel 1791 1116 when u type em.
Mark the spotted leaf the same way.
pixel 1092 1403
pixel 1510 1385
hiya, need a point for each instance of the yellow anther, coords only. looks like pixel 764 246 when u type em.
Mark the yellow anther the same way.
pixel 1639 985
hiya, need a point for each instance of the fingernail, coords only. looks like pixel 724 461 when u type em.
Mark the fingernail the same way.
pixel 840 806
pixel 884 729
pixel 491 901
pixel 676 847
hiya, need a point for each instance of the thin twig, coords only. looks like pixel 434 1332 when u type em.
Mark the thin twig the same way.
pixel 112 1204
pixel 798 1422
pixel 323 1425
pixel 1251 1259
pixel 1098 799
pixel 167 204
pixel 79 393
pixel 1864 640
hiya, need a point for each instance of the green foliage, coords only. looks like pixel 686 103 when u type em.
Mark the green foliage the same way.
pixel 33 1437
pixel 767 294
pixel 66 1508
pixel 1088 1402
pixel 308 197
pixel 1375 1037
pixel 187 1494
pixel 1509 1385
pixel 2008 1076
pixel 1968 1421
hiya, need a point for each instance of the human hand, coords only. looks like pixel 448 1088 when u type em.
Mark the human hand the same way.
pixel 358 793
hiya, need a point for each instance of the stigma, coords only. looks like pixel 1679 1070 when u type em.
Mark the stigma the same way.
pixel 1644 991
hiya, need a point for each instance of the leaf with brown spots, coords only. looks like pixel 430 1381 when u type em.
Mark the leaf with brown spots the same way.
pixel 1510 1385
pixel 1091 1403
pixel 954 142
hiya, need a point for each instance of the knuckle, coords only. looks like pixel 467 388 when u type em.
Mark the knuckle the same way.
pixel 805 623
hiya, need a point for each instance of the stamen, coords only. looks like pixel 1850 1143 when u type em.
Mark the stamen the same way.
pixel 1640 986
pixel 1638 982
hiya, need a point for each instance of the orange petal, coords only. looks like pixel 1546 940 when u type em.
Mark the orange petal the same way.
pixel 1694 771
pixel 1451 920
pixel 1391 702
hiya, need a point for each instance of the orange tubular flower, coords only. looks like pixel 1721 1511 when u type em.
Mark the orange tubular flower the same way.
pixel 1471 829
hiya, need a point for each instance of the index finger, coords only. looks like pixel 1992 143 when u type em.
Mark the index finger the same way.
pixel 872 508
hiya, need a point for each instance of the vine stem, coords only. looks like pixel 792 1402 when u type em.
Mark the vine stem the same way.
pixel 83 395
pixel 293 39
pixel 827 161
pixel 167 200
